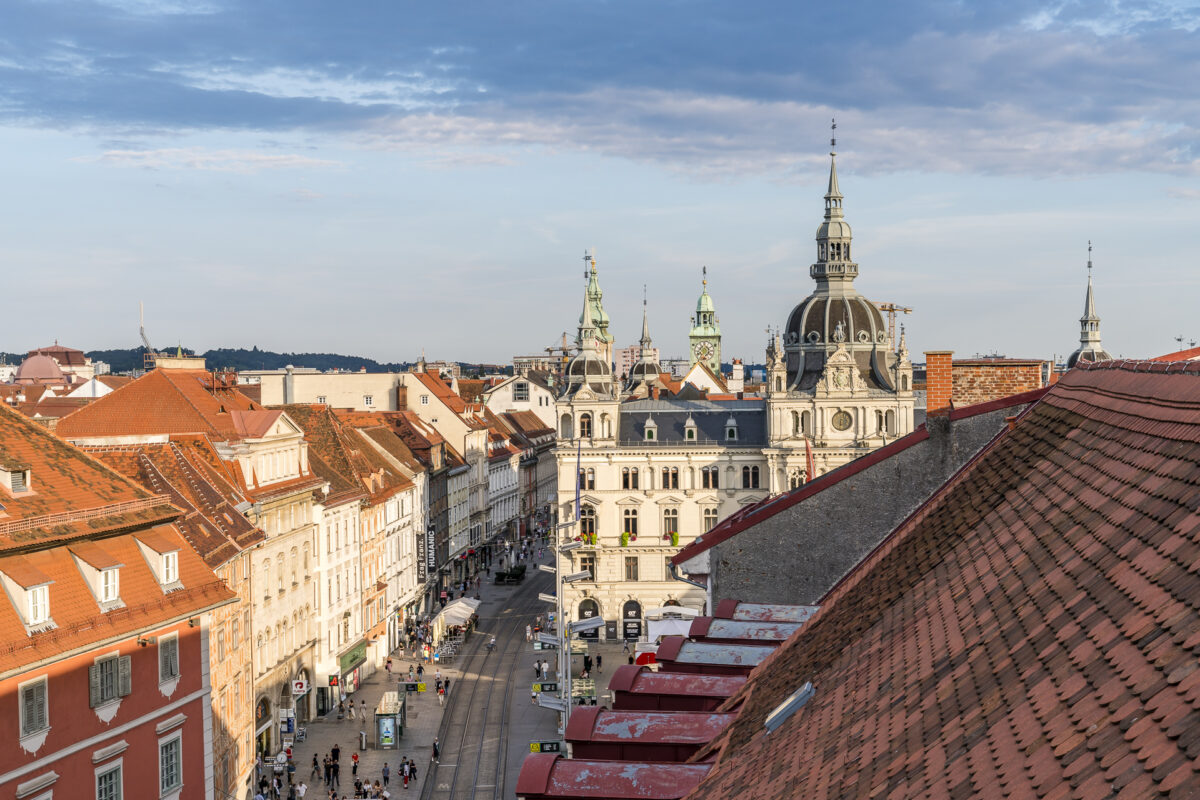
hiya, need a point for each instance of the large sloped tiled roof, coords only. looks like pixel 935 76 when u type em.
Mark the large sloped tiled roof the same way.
pixel 166 401
pixel 1031 631
pixel 213 522
pixel 71 493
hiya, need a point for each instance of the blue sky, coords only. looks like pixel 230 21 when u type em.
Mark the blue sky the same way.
pixel 382 177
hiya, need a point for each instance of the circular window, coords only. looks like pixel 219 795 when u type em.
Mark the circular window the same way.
pixel 842 420
pixel 864 337
pixel 814 337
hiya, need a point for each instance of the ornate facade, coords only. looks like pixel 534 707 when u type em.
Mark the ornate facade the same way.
pixel 644 472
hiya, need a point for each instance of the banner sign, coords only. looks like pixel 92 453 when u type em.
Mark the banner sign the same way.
pixel 421 574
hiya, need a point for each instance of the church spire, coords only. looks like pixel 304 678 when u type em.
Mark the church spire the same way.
pixel 833 195
pixel 1090 348
pixel 834 271
pixel 645 340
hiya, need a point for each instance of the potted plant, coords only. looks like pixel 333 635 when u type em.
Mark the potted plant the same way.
pixel 625 539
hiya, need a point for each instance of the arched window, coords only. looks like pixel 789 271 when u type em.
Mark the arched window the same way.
pixel 587 520
pixel 795 423
pixel 806 422
pixel 796 479
pixel 879 421
pixel 710 477
pixel 306 561
pixel 629 477
pixel 710 519
pixel 890 421
pixel 564 427
pixel 670 477
pixel 778 384
pixel 591 479
pixel 749 477
pixel 295 566
pixel 670 521
pixel 904 383
pixel 585 426
pixel 605 426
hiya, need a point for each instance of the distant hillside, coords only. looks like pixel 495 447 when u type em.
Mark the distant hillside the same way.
pixel 243 359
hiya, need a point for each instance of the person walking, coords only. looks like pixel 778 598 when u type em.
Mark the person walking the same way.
pixel 328 763
pixel 335 752
pixel 545 669
pixel 301 790
pixel 441 693
pixel 404 771
pixel 362 708
pixel 599 663
pixel 437 750
pixel 316 770
pixel 446 685
pixel 354 763
pixel 625 649
pixel 387 773
pixel 336 769
pixel 351 714
pixel 529 633
pixel 412 771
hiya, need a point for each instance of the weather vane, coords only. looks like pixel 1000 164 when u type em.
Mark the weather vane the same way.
pixel 1089 256
pixel 833 133
pixel 704 274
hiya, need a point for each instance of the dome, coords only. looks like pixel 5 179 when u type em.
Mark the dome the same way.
pixel 38 369
pixel 644 370
pixel 1087 355
pixel 587 370
pixel 705 304
pixel 815 321
pixel 833 229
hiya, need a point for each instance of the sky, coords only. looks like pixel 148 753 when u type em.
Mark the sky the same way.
pixel 382 178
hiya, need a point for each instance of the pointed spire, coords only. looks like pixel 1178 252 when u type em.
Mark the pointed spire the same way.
pixel 833 194
pixel 587 325
pixel 1089 302
pixel 645 340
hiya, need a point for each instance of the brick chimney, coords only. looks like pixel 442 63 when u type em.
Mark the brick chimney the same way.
pixel 938 383
pixel 402 398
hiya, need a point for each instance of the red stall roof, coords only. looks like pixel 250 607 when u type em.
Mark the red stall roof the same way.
pixel 763 612
pixel 640 680
pixel 548 775
pixel 678 650
pixel 729 630
pixel 595 724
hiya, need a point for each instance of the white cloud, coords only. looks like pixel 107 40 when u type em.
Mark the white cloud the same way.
pixel 238 161
pixel 406 91
pixel 1183 193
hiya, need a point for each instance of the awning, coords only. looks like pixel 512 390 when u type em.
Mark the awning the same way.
pixel 458 612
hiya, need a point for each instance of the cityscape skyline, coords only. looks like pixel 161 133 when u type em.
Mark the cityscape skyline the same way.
pixel 437 172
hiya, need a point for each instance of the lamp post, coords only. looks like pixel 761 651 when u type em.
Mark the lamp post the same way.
pixel 563 630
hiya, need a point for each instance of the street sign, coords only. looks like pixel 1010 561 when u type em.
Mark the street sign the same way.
pixel 545 686
pixel 413 686
pixel 547 568
pixel 547 598
pixel 299 688
pixel 545 747
pixel 548 639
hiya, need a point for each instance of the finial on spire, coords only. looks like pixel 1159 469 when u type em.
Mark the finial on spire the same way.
pixel 1089 258
pixel 704 273
pixel 833 134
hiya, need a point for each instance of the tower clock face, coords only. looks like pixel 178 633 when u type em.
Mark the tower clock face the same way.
pixel 842 420
pixel 704 350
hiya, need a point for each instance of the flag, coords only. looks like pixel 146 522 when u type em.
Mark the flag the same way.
pixel 808 460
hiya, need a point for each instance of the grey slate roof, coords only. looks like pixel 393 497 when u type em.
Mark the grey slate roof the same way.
pixel 710 416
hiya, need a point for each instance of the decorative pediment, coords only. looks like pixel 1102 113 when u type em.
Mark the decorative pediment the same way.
pixel 590 499
pixel 751 500
pixel 841 374
pixel 629 501
pixel 669 500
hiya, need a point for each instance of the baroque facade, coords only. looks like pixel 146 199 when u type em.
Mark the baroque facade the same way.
pixel 644 468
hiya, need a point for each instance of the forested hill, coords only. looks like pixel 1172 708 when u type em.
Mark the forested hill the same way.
pixel 243 359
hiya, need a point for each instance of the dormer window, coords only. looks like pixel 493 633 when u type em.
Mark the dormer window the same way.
pixel 651 430
pixel 15 479
pixel 170 567
pixel 110 585
pixel 38 599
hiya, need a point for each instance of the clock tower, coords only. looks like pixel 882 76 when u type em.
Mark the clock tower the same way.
pixel 704 342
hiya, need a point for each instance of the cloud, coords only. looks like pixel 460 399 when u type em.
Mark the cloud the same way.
pixel 1183 193
pixel 705 90
pixel 238 161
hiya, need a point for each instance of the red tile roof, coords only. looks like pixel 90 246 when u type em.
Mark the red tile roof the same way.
pixel 752 515
pixel 170 401
pixel 1030 631
pixel 1182 355
pixel 77 504
pixel 442 391
pixel 212 523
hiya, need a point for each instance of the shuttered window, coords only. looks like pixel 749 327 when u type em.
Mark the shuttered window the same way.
pixel 168 658
pixel 33 708
pixel 108 679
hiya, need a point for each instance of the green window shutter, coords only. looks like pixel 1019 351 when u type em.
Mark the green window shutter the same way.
pixel 125 675
pixel 94 696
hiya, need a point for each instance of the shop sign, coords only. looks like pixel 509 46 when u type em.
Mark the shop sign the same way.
pixel 353 657
pixel 430 550
pixel 545 747
pixel 421 575
pixel 262 711
pixel 545 686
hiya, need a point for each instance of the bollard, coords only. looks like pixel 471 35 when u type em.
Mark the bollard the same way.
pixel 362 740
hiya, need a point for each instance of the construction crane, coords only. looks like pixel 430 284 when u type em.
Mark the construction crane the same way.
pixel 564 352
pixel 891 309
pixel 150 354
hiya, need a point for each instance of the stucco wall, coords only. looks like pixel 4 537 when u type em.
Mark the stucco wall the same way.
pixel 797 555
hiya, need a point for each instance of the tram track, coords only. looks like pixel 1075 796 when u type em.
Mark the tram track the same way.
pixel 474 728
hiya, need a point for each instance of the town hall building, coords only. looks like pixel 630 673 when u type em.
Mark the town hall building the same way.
pixel 645 466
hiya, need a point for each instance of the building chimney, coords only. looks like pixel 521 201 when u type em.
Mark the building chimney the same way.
pixel 402 398
pixel 938 382
pixel 289 385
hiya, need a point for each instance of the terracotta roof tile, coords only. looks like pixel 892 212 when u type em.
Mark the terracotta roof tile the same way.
pixel 1024 633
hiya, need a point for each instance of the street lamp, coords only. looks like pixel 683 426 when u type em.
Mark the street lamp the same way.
pixel 563 636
